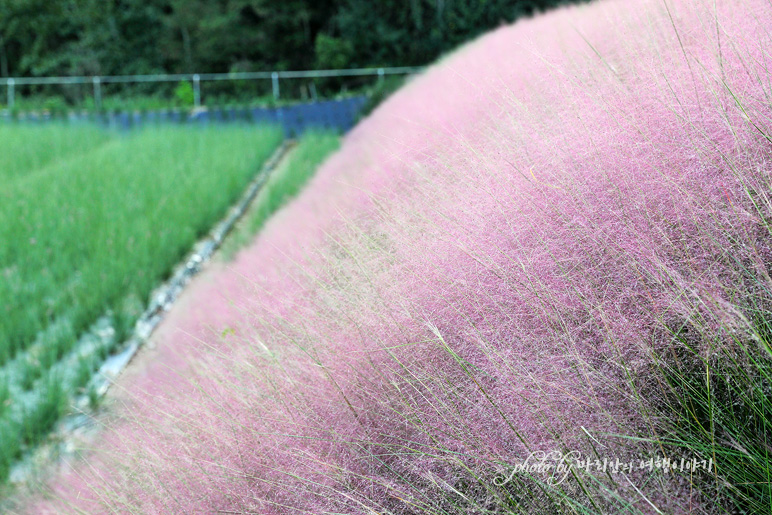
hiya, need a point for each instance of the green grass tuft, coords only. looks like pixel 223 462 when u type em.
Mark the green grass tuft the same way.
pixel 284 184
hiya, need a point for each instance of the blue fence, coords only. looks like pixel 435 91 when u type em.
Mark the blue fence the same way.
pixel 330 114
pixel 339 115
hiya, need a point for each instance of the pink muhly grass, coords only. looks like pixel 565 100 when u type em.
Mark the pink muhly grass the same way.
pixel 488 267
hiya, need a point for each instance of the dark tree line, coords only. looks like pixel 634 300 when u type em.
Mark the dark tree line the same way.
pixel 113 37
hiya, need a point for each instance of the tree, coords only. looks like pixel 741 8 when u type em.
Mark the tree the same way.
pixel 113 37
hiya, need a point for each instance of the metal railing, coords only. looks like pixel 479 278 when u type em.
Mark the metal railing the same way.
pixel 196 78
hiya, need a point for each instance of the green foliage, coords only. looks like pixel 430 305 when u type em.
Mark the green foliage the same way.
pixel 5 394
pixel 416 32
pixel 55 104
pixel 41 417
pixel 332 53
pixel 11 448
pixel 721 410
pixel 184 94
pixel 127 312
pixel 93 397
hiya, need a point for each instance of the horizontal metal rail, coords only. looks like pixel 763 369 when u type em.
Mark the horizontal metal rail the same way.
pixel 196 78
pixel 176 77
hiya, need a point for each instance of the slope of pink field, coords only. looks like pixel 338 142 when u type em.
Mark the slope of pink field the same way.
pixel 483 270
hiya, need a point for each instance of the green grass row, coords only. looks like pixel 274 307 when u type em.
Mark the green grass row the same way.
pixel 284 184
pixel 81 230
pixel 90 223
pixel 27 148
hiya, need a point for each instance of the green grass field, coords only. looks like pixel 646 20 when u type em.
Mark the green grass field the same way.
pixel 90 223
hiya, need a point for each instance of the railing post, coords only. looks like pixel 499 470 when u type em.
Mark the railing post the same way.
pixel 275 80
pixel 381 73
pixel 197 90
pixel 11 84
pixel 97 93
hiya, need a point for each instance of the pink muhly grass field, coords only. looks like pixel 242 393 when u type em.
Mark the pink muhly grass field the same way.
pixel 489 266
